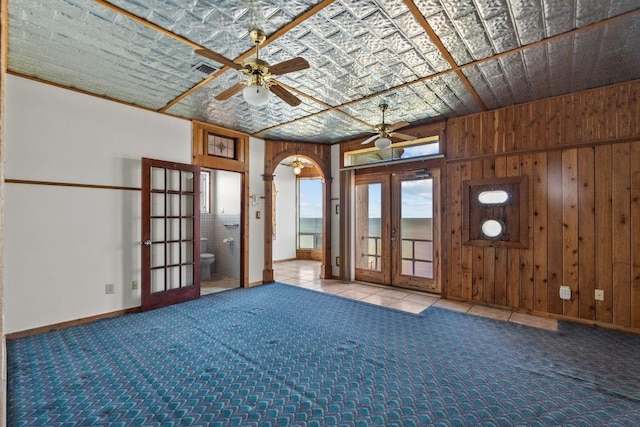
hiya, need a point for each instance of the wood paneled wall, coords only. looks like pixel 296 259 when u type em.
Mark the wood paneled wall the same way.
pixel 581 153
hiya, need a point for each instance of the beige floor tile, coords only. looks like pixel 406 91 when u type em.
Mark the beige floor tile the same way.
pixel 421 299
pixel 534 321
pixel 393 293
pixel 380 300
pixel 453 305
pixel 311 285
pixel 408 306
pixel 490 312
pixel 354 294
pixel 366 288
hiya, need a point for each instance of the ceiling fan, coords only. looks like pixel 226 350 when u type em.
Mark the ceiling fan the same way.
pixel 296 164
pixel 384 132
pixel 261 75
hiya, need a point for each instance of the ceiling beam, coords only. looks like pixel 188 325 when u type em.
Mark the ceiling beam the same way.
pixel 443 50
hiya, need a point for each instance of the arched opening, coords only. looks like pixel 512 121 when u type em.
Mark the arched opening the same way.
pixel 312 232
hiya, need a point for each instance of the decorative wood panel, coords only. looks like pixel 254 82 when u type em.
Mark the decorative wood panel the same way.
pixel 581 153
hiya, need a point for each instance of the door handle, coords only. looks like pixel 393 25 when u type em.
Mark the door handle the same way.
pixel 147 243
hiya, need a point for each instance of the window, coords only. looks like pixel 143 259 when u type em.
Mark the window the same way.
pixel 418 148
pixel 221 146
pixel 309 213
pixel 205 192
pixel 496 212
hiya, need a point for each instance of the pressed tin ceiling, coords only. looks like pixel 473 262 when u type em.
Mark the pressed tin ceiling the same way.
pixel 428 59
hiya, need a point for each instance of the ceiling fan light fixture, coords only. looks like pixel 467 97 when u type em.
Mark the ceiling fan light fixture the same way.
pixel 297 166
pixel 256 94
pixel 383 143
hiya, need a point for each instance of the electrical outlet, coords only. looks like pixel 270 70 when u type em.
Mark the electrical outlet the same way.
pixel 599 295
pixel 134 285
pixel 257 214
pixel 565 292
pixel 109 289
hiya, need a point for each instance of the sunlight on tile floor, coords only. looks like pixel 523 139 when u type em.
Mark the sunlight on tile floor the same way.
pixel 306 274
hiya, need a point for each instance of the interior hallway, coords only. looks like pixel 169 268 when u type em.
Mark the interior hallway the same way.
pixel 306 274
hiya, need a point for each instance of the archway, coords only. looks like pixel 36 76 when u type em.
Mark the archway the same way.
pixel 320 156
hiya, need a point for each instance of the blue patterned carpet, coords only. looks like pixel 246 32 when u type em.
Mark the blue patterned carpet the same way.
pixel 278 355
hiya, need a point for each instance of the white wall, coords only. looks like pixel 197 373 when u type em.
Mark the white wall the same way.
pixel 256 226
pixel 335 217
pixel 284 246
pixel 63 244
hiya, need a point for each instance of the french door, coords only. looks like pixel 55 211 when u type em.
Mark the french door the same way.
pixel 397 229
pixel 170 233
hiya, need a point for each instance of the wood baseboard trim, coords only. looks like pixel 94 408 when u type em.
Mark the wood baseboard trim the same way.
pixel 70 184
pixel 284 260
pixel 69 324
pixel 252 284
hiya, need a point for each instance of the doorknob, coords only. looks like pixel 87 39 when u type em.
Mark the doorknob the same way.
pixel 147 243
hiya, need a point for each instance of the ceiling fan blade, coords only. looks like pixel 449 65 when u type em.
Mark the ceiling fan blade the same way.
pixel 218 58
pixel 230 92
pixel 285 95
pixel 371 138
pixel 402 136
pixel 289 66
pixel 398 126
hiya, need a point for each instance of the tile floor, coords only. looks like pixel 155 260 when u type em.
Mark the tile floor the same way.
pixel 306 274
pixel 218 284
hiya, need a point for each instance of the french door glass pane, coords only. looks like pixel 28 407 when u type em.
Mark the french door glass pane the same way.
pixel 173 180
pixel 157 204
pixel 173 277
pixel 416 227
pixel 157 254
pixel 187 181
pixel 157 229
pixel 157 179
pixel 187 275
pixel 368 228
pixel 157 280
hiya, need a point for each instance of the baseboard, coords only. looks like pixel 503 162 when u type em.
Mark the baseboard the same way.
pixel 252 284
pixel 284 260
pixel 69 324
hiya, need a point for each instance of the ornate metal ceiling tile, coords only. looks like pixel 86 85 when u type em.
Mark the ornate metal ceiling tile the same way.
pixel 432 99
pixel 559 67
pixel 235 113
pixel 325 128
pixel 355 48
pixel 80 44
pixel 221 25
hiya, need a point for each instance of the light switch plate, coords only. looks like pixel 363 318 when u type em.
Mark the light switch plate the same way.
pixel 599 295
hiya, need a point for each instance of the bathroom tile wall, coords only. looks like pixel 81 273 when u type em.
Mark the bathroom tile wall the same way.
pixel 207 230
pixel 226 226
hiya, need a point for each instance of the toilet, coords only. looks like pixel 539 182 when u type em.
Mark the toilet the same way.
pixel 207 261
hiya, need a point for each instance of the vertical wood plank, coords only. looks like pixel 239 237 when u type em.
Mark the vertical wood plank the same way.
pixel 513 255
pixel 586 228
pixel 604 249
pixel 500 252
pixel 455 230
pixel 554 231
pixel 466 252
pixel 526 255
pixel 477 252
pixel 634 162
pixel 622 116
pixel 621 235
pixel 570 230
pixel 540 236
pixel 489 259
pixel 554 122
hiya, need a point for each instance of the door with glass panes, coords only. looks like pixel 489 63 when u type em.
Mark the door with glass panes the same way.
pixel 170 233
pixel 397 229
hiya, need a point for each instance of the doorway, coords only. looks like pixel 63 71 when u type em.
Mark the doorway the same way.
pixel 220 237
pixel 397 229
